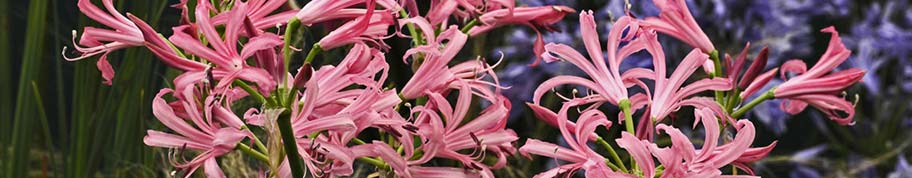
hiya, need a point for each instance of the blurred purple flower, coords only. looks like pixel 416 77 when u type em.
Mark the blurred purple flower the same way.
pixel 807 155
pixel 903 169
pixel 804 172
pixel 868 60
pixel 878 39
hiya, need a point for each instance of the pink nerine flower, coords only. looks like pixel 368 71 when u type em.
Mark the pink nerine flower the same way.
pixel 607 81
pixel 446 133
pixel 670 93
pixel 261 14
pixel 102 41
pixel 323 10
pixel 579 155
pixel 442 10
pixel 681 159
pixel 203 133
pixel 677 21
pixel 819 86
pixel 372 27
pixel 533 17
pixel 224 52
pixel 434 75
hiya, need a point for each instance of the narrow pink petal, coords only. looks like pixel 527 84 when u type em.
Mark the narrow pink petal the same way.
pixel 711 125
pixel 758 83
pixel 207 28
pixel 262 42
pixel 591 39
pixel 792 106
pixel 212 169
pixel 107 72
pixel 166 116
pixel 162 139
pixel 742 141
pixel 549 84
pixel 836 108
pixel 538 147
pixel 714 84
pixel 638 151
pixel 795 66
pixel 832 83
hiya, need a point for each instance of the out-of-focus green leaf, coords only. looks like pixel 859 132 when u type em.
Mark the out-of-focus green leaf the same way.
pixel 26 107
pixel 6 76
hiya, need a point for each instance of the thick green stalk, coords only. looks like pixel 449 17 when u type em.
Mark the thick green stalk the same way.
pixel 17 163
pixel 291 146
pixel 628 115
pixel 290 28
pixel 614 155
pixel 316 49
pixel 717 72
pixel 766 96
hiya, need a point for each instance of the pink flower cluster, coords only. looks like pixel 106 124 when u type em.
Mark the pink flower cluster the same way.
pixel 662 96
pixel 313 120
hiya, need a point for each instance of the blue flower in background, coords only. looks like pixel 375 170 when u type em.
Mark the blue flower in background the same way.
pixel 877 39
pixel 804 172
pixel 903 169
pixel 866 58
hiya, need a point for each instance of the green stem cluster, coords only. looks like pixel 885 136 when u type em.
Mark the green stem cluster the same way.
pixel 614 156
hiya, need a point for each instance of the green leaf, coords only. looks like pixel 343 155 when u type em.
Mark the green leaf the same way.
pixel 18 160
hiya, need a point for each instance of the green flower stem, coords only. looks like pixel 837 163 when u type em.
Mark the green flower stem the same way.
pixel 291 146
pixel 732 100
pixel 611 165
pixel 256 154
pixel 469 26
pixel 628 115
pixel 417 40
pixel 614 155
pixel 416 37
pixel 358 141
pixel 316 49
pixel 259 144
pixel 766 96
pixel 259 97
pixel 376 162
pixel 286 49
pixel 717 72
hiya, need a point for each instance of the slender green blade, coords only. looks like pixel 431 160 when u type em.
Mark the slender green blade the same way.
pixel 18 162
pixel 6 76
